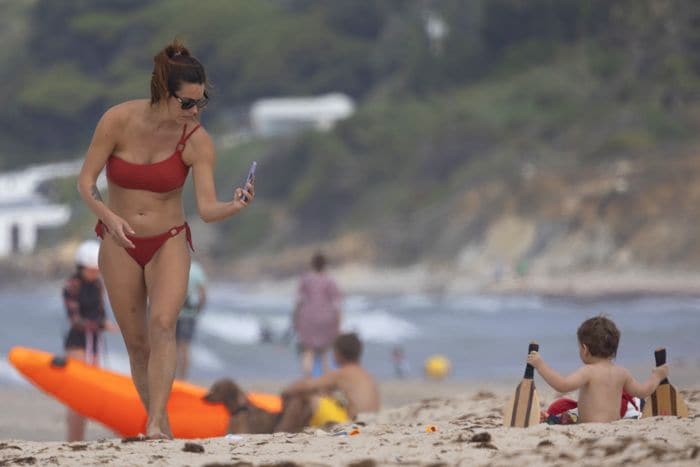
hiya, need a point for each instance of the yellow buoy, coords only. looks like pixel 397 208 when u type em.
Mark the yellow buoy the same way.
pixel 437 367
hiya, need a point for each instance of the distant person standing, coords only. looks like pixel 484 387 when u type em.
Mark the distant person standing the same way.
pixel 186 323
pixel 316 314
pixel 83 298
pixel 398 358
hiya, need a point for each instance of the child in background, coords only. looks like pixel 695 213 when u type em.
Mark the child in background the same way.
pixel 309 401
pixel 83 297
pixel 186 324
pixel 398 358
pixel 600 382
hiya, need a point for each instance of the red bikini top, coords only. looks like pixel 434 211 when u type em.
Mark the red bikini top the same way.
pixel 160 177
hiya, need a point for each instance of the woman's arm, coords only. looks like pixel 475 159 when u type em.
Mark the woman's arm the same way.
pixel 295 317
pixel 336 299
pixel 210 209
pixel 102 145
pixel 297 306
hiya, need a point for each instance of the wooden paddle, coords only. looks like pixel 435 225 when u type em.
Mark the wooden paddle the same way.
pixel 665 400
pixel 523 410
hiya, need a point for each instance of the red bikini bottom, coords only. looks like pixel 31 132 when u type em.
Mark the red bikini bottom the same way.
pixel 146 247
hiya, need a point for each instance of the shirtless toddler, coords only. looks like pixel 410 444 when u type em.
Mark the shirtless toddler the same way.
pixel 309 398
pixel 600 382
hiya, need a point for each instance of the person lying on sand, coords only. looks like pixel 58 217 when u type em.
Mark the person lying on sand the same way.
pixel 310 399
pixel 600 382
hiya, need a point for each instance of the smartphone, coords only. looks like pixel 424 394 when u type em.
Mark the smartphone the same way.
pixel 249 178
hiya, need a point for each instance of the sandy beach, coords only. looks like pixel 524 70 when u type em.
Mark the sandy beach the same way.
pixel 467 416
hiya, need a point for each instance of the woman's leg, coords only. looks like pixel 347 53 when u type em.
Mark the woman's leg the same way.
pixel 126 288
pixel 325 361
pixel 307 362
pixel 75 421
pixel 166 280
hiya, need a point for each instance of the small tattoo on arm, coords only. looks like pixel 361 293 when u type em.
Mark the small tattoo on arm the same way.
pixel 96 194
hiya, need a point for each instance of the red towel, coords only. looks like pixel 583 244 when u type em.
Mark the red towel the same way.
pixel 564 404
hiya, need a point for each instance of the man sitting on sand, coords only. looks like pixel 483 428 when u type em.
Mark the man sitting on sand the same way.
pixel 600 382
pixel 309 398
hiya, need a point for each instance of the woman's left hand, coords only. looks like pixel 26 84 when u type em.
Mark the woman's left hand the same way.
pixel 239 194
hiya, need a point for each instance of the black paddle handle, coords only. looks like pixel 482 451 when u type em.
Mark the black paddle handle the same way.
pixel 660 357
pixel 529 369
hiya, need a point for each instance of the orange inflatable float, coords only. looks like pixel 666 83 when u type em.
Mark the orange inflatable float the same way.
pixel 111 399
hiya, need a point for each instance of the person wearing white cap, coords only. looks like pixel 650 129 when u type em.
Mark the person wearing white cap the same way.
pixel 84 302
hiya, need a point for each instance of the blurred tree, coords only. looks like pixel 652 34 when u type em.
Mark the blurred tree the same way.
pixel 452 94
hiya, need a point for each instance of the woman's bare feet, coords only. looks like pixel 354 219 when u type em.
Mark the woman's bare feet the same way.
pixel 159 431
pixel 142 437
pixel 158 435
pixel 132 439
pixel 167 431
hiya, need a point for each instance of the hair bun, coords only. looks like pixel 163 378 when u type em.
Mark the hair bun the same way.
pixel 177 48
pixel 174 64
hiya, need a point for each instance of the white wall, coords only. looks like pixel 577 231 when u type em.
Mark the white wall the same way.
pixel 280 116
pixel 22 184
pixel 28 219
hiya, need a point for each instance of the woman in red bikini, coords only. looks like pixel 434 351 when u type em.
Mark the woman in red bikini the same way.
pixel 148 148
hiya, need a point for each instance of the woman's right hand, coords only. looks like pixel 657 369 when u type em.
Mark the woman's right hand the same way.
pixel 118 229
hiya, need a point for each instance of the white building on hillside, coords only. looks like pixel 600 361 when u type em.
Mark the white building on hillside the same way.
pixel 23 211
pixel 284 116
pixel 22 184
pixel 21 220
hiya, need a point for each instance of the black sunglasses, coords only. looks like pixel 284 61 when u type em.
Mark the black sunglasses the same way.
pixel 186 103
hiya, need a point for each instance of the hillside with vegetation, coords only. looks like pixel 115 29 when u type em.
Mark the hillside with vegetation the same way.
pixel 543 137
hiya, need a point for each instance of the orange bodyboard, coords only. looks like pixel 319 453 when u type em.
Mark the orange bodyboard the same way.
pixel 111 398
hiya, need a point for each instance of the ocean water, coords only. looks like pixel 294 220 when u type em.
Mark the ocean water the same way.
pixel 483 336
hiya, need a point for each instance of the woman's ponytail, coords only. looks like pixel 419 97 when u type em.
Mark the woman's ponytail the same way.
pixel 159 78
